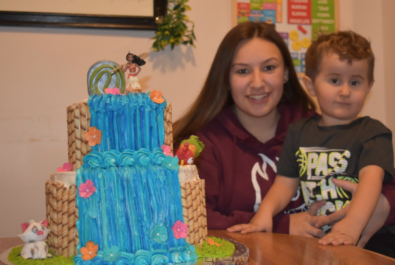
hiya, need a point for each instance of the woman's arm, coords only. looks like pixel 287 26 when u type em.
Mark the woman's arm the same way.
pixel 349 229
pixel 279 195
pixel 388 192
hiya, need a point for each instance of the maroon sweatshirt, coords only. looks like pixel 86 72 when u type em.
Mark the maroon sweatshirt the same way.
pixel 239 170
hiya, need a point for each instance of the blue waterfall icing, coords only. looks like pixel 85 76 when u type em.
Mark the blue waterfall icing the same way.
pixel 134 193
pixel 130 121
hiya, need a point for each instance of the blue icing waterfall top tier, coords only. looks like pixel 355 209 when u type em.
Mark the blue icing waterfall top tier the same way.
pixel 130 121
pixel 134 207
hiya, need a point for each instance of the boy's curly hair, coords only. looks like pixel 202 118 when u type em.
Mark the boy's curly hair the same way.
pixel 350 46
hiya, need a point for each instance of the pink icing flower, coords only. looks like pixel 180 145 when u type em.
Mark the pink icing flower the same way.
pixel 180 230
pixel 114 91
pixel 65 167
pixel 86 189
pixel 167 150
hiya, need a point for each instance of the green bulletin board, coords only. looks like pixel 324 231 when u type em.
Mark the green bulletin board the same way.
pixel 297 21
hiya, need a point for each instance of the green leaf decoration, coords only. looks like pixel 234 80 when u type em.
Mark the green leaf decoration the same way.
pixel 173 30
pixel 194 140
pixel 100 77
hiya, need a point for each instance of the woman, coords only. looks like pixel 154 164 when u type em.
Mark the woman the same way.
pixel 251 95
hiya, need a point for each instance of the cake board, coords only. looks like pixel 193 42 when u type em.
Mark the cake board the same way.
pixel 4 257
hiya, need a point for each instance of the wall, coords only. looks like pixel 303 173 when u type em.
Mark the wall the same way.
pixel 375 20
pixel 44 70
pixel 388 20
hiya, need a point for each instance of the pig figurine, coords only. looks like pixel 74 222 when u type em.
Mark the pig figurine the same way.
pixel 34 235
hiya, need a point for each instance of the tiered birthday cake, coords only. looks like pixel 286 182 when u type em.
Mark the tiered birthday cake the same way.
pixel 125 203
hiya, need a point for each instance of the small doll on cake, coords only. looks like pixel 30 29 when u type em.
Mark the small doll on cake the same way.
pixel 133 65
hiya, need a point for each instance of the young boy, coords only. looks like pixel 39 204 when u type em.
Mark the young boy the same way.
pixel 338 144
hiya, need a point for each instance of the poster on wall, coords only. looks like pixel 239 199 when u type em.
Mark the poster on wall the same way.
pixel 297 21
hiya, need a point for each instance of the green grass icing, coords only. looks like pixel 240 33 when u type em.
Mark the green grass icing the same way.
pixel 14 258
pixel 206 250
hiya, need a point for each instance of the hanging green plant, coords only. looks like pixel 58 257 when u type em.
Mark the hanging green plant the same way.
pixel 173 30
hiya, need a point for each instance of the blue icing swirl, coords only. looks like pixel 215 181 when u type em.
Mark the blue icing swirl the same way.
pixel 159 259
pixel 93 159
pixel 114 158
pixel 143 157
pixel 176 257
pixel 110 158
pixel 142 257
pixel 157 156
pixel 126 158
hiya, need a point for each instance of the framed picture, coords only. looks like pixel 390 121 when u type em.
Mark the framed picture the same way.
pixel 109 14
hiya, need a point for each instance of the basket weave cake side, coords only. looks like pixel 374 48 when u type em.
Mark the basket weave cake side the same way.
pixel 168 122
pixel 78 118
pixel 61 217
pixel 193 201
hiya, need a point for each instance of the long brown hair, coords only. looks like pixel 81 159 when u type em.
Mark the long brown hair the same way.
pixel 215 94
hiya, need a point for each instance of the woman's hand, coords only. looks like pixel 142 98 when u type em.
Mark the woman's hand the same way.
pixel 376 221
pixel 265 224
pixel 303 224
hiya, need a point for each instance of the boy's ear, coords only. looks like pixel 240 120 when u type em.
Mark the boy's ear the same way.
pixel 309 84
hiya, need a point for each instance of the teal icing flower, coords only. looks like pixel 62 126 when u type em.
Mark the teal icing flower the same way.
pixel 159 234
pixel 111 254
pixel 171 163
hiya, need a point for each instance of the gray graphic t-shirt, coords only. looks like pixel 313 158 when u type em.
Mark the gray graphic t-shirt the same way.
pixel 316 154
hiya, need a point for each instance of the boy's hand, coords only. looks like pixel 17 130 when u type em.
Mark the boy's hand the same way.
pixel 264 225
pixel 303 224
pixel 377 220
pixel 341 234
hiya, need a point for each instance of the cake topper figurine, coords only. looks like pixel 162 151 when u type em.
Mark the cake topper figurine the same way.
pixel 189 150
pixel 134 63
pixel 34 235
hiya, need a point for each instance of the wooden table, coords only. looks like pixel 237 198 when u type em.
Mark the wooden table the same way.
pixel 266 248
pixel 282 249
